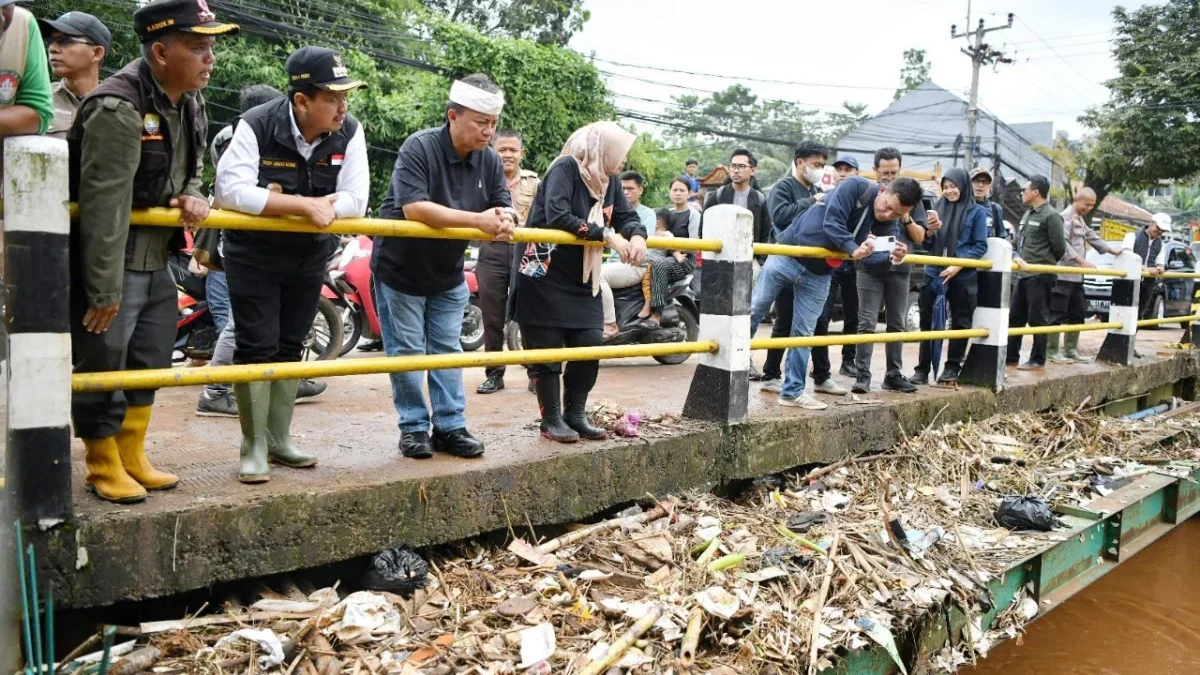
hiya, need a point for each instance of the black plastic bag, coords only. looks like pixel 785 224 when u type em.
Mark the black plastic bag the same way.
pixel 396 570
pixel 1025 513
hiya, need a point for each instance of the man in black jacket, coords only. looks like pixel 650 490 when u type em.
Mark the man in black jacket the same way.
pixel 981 186
pixel 742 165
pixel 790 198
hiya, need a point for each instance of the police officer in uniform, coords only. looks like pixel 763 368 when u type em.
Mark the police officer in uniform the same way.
pixel 301 155
pixel 137 141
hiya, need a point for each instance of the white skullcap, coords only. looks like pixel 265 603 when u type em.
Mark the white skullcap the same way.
pixel 470 96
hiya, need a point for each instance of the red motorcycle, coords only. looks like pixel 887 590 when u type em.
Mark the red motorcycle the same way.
pixel 349 286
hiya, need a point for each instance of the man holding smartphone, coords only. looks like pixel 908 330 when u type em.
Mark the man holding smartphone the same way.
pixel 889 287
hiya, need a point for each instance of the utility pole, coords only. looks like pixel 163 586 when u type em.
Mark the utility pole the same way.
pixel 981 54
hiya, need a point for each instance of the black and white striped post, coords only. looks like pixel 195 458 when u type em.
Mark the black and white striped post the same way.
pixel 1119 345
pixel 721 384
pixel 984 365
pixel 37 291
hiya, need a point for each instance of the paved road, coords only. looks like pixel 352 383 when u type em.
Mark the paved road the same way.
pixel 353 427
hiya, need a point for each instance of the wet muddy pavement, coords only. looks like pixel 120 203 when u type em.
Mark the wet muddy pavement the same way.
pixel 1143 618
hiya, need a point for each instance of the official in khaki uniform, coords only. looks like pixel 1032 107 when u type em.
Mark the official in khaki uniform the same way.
pixel 77 43
pixel 496 257
pixel 137 141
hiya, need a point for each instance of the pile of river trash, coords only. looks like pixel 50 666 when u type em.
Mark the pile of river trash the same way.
pixel 794 574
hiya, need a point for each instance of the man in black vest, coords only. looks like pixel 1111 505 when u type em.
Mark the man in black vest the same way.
pixel 137 141
pixel 302 155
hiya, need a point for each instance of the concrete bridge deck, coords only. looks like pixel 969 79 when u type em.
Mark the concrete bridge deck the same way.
pixel 364 497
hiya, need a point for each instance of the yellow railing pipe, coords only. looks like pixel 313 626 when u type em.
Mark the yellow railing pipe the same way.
pixel 1069 328
pixel 910 259
pixel 1063 269
pixel 868 338
pixel 1169 320
pixel 229 220
pixel 184 377
pixel 1173 275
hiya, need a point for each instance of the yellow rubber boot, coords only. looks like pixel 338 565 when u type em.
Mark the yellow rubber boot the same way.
pixel 105 475
pixel 131 441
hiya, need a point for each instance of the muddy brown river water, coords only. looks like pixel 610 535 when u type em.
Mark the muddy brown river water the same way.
pixel 1143 618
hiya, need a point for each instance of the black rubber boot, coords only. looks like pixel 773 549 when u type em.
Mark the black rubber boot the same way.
pixel 576 417
pixel 549 393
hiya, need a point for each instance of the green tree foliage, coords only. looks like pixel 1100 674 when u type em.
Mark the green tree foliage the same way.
pixel 914 72
pixel 1148 131
pixel 550 91
pixel 549 22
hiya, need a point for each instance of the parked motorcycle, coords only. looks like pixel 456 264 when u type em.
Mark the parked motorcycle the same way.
pixel 349 287
pixel 679 322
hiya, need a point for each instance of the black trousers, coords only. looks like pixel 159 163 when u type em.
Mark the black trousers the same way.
pixel 845 286
pixel 577 375
pixel 492 272
pixel 961 297
pixel 1068 303
pixel 773 368
pixel 273 306
pixel 141 337
pixel 1030 307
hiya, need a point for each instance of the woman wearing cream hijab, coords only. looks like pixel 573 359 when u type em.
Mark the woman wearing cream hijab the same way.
pixel 556 298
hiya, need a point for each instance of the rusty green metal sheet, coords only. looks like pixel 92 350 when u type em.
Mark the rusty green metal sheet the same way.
pixel 1136 515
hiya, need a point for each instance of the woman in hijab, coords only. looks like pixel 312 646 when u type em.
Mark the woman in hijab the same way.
pixel 556 298
pixel 963 235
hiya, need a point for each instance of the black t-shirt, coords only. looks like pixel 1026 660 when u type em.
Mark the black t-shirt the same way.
pixel 428 169
pixel 681 222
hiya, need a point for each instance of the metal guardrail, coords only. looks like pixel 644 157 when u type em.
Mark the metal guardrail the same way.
pixel 178 377
pixel 1070 328
pixel 866 338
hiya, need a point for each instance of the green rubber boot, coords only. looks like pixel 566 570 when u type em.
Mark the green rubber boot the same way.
pixel 253 402
pixel 1071 341
pixel 1052 351
pixel 279 427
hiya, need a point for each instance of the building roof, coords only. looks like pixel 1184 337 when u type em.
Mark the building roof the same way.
pixel 925 124
pixel 1119 209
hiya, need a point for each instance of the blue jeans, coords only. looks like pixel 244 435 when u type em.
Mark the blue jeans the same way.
pixel 809 292
pixel 431 324
pixel 216 289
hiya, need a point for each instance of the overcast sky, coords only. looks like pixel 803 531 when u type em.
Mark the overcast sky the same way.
pixel 1060 49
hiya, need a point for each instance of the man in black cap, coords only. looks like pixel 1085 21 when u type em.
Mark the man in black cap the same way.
pixel 137 141
pixel 301 155
pixel 77 43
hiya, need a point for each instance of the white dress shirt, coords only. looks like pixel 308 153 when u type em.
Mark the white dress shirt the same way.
pixel 237 189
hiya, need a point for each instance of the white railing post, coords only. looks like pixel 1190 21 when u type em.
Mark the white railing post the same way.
pixel 985 359
pixel 37 227
pixel 721 384
pixel 1123 307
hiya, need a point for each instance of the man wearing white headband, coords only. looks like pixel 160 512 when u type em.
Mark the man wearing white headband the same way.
pixel 444 177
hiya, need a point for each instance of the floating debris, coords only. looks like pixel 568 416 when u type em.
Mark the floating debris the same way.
pixel 787 578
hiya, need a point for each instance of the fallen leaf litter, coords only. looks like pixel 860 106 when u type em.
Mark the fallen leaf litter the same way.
pixel 786 578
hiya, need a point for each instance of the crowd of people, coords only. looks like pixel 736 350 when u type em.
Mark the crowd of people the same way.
pixel 139 139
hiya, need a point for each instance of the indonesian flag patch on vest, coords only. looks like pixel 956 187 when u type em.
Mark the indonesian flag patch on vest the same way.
pixel 336 160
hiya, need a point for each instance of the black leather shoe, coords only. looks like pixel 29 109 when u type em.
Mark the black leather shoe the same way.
pixel 848 369
pixel 899 383
pixel 415 445
pixel 862 385
pixel 493 384
pixel 457 442
pixel 919 377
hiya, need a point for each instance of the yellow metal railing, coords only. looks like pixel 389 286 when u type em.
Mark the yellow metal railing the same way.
pixel 184 377
pixel 1168 320
pixel 866 338
pixel 1071 328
